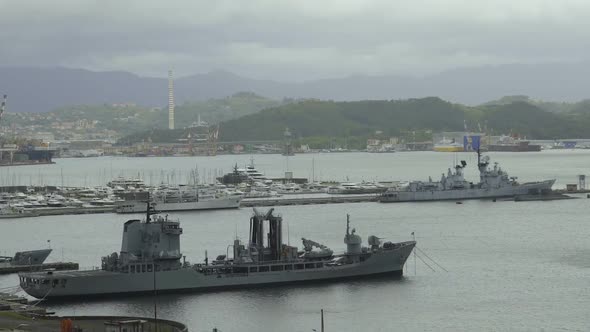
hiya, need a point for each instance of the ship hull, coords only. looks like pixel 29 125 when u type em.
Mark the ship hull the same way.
pixel 475 193
pixel 105 283
pixel 514 148
pixel 211 204
pixel 30 257
pixel 449 149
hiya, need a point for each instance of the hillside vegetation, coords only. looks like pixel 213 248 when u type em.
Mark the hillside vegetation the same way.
pixel 398 117
pixel 128 119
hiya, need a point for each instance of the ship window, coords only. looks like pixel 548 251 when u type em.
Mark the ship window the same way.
pixel 309 266
pixel 298 266
pixel 319 265
pixel 54 282
pixel 157 267
pixel 132 268
pixel 263 269
pixel 149 268
pixel 253 269
pixel 45 281
pixel 125 269
pixel 288 267
pixel 276 268
pixel 142 267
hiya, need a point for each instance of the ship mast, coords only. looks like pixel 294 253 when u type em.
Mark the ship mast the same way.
pixel 150 209
pixel 347 224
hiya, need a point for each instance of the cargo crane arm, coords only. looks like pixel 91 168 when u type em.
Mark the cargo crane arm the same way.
pixel 309 244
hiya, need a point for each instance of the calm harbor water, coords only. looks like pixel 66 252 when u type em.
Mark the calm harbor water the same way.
pixel 511 266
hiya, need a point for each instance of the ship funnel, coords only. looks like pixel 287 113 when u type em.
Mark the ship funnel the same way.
pixel 353 241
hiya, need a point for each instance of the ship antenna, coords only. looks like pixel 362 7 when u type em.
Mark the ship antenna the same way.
pixel 150 209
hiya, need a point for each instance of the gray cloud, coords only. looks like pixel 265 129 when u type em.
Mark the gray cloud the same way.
pixel 292 40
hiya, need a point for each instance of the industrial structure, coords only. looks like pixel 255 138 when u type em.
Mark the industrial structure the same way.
pixel 3 107
pixel 29 152
pixel 170 101
pixel 287 143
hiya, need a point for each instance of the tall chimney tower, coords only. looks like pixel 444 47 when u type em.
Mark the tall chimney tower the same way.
pixel 3 107
pixel 170 101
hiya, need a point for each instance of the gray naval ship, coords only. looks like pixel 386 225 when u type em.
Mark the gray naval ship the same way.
pixel 150 260
pixel 31 257
pixel 493 183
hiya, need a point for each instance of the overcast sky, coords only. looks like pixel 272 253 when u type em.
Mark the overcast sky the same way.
pixel 292 40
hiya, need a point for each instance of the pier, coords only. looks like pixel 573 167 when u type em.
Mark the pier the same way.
pixel 307 200
pixel 39 267
pixel 12 306
pixel 59 211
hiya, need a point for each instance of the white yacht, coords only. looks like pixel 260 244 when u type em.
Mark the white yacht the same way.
pixel 179 200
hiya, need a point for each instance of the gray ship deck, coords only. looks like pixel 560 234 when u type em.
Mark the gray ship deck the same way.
pixel 39 267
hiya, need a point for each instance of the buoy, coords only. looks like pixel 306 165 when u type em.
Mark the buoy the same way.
pixel 458 202
pixel 493 200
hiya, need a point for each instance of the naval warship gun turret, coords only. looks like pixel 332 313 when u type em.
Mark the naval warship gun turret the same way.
pixel 150 259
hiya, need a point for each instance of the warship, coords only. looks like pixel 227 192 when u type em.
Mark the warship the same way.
pixel 31 257
pixel 150 260
pixel 493 183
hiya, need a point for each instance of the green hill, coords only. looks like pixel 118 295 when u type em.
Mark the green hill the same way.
pixel 339 119
pixel 398 117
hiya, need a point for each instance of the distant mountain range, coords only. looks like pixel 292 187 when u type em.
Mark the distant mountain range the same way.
pixel 44 89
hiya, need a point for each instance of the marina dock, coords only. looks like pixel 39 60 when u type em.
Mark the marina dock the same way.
pixel 285 200
pixel 308 199
pixel 58 211
pixel 14 305
pixel 39 267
